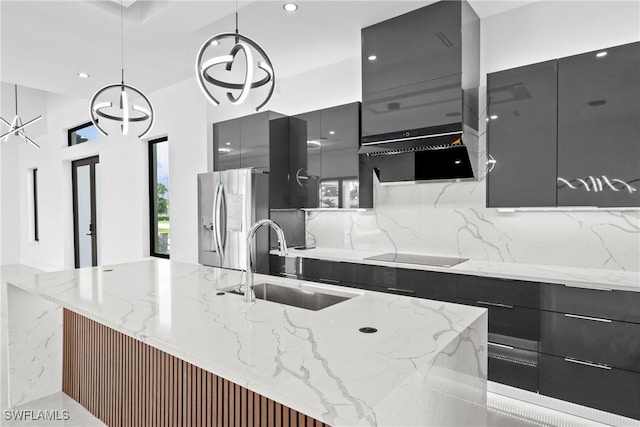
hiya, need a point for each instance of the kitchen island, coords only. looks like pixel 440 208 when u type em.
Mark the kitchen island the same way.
pixel 425 365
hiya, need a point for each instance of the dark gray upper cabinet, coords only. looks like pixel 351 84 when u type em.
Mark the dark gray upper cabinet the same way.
pixel 335 170
pixel 522 132
pixel 226 145
pixel 599 128
pixel 269 142
pixel 417 69
pixel 574 121
pixel 254 136
pixel 421 45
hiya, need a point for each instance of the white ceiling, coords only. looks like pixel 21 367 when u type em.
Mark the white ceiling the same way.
pixel 44 44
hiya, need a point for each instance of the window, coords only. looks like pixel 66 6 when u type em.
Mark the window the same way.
pixel 159 197
pixel 339 193
pixel 82 133
pixel 36 235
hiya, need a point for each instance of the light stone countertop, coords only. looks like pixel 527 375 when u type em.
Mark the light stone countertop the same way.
pixel 315 362
pixel 590 278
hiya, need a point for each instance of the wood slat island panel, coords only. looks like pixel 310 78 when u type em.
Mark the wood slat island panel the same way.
pixel 125 382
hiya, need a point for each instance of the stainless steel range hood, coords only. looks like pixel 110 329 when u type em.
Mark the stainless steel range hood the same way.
pixel 420 104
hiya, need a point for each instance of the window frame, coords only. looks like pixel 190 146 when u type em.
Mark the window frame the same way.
pixel 34 184
pixel 153 232
pixel 75 129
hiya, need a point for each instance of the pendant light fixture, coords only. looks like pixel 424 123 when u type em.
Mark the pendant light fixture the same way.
pixel 16 126
pixel 256 62
pixel 121 94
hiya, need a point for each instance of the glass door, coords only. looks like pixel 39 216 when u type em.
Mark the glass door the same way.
pixel 85 176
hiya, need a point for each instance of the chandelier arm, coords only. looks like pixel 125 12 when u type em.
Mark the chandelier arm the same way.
pixel 92 109
pixel 238 86
pixel 29 139
pixel 271 89
pixel 121 119
pixel 20 127
pixel 248 77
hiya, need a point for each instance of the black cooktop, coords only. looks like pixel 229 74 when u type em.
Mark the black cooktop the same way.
pixel 438 261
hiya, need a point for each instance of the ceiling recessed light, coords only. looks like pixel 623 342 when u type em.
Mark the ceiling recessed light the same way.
pixel 332 132
pixel 372 57
pixel 493 117
pixel 227 143
pixel 224 150
pixel 601 54
pixel 83 75
pixel 290 7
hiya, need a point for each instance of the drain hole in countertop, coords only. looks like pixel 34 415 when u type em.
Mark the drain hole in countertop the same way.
pixel 107 270
pixel 368 330
pixel 220 293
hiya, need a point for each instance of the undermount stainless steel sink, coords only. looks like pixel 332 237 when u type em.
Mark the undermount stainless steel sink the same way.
pixel 307 297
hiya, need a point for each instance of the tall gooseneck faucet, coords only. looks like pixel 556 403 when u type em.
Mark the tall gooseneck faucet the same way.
pixel 249 296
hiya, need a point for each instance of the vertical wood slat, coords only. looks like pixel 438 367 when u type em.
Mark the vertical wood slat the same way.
pixel 125 382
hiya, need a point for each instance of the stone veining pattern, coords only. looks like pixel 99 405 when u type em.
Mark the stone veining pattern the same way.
pixel 450 219
pixel 318 363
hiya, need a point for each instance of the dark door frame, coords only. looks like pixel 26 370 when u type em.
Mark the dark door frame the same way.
pixel 91 162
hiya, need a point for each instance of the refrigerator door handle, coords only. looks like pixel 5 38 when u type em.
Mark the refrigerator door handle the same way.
pixel 223 217
pixel 217 219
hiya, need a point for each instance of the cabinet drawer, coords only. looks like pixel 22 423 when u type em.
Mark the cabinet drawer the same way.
pixel 594 339
pixel 327 271
pixel 615 305
pixel 514 326
pixel 612 390
pixel 503 291
pixel 374 275
pixel 513 366
pixel 426 284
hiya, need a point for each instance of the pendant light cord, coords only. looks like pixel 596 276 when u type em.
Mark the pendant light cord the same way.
pixel 122 38
pixel 236 17
pixel 16 93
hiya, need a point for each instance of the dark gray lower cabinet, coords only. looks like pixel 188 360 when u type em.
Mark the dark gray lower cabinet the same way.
pixel 609 304
pixel 608 389
pixel 598 340
pixel 506 292
pixel 512 326
pixel 512 366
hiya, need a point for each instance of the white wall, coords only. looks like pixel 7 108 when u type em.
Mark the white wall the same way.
pixel 555 29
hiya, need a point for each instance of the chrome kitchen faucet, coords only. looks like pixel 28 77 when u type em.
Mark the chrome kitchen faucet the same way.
pixel 249 296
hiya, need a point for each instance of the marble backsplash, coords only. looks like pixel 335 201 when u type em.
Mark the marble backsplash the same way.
pixel 450 219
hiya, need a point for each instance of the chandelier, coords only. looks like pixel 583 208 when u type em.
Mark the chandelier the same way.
pixel 114 102
pixel 17 127
pixel 258 70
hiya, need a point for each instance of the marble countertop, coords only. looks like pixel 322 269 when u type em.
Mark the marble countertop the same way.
pixel 571 276
pixel 316 362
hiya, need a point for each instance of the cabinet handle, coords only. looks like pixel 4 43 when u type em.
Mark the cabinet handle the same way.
pixel 582 362
pixel 508 347
pixel 491 163
pixel 404 291
pixel 329 281
pixel 595 319
pixel 494 304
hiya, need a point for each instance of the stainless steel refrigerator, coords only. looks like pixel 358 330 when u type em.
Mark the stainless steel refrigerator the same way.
pixel 229 203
